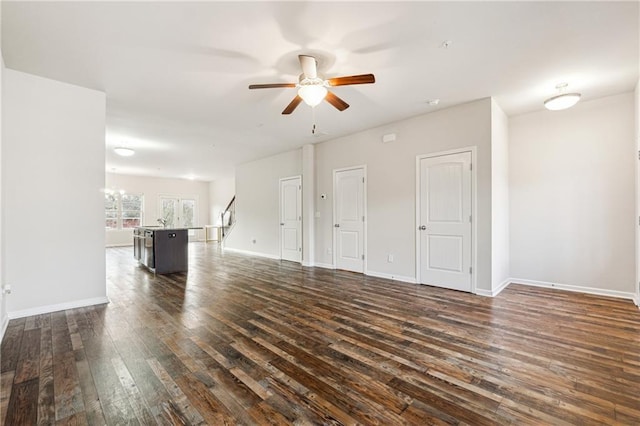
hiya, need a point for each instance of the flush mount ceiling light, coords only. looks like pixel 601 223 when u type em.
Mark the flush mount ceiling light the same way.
pixel 562 100
pixel 124 152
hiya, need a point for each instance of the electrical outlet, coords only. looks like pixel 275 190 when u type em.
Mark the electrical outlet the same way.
pixel 390 258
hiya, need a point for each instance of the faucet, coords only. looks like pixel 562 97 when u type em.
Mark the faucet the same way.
pixel 163 222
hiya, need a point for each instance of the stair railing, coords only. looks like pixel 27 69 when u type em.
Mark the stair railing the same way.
pixel 228 218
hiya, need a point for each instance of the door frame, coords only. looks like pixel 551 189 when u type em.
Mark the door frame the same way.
pixel 366 216
pixel 474 209
pixel 301 242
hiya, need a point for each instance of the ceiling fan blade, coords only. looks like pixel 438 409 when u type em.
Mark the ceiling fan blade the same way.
pixel 309 66
pixel 353 79
pixel 336 101
pixel 271 86
pixel 294 103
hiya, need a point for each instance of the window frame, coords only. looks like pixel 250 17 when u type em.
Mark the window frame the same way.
pixel 119 211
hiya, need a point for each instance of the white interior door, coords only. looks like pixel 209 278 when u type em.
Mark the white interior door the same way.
pixel 444 225
pixel 349 219
pixel 291 219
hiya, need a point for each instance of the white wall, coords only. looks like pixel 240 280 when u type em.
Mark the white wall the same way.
pixel 257 203
pixel 499 198
pixel 221 191
pixel 308 204
pixel 4 319
pixel 637 136
pixel 391 185
pixel 152 188
pixel 52 176
pixel 572 212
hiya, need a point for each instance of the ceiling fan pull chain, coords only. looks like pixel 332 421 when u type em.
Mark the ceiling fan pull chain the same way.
pixel 313 121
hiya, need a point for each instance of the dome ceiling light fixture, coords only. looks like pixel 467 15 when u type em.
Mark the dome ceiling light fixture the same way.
pixel 124 152
pixel 562 100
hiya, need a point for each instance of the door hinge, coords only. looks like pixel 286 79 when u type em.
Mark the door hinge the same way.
pixel 470 166
pixel 363 257
pixel 470 219
pixel 363 218
pixel 470 270
pixel 300 187
pixel 300 249
pixel 638 155
pixel 362 180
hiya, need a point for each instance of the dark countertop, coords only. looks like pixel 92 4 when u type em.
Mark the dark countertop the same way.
pixel 162 228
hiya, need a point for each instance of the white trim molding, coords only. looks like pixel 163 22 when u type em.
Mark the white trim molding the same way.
pixel 576 288
pixel 402 278
pixel 3 327
pixel 251 253
pixel 636 300
pixel 494 292
pixel 58 307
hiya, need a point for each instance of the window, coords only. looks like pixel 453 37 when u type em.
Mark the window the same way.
pixel 111 210
pixel 122 210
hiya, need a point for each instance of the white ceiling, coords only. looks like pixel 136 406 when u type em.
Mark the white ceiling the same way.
pixel 176 73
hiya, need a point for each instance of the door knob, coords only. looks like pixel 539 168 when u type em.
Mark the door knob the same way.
pixel 281 223
pixel 337 225
pixel 422 228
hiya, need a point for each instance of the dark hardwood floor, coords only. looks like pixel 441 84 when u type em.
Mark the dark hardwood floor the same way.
pixel 242 340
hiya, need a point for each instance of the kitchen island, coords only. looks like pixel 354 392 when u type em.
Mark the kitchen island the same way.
pixel 162 250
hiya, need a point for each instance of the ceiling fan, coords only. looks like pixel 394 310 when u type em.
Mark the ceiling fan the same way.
pixel 313 89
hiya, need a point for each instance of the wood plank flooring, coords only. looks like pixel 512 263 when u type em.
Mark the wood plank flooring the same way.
pixel 242 340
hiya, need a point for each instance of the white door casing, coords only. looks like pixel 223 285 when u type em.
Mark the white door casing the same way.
pixel 349 234
pixel 444 221
pixel 291 219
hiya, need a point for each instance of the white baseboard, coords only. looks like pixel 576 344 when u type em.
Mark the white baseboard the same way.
pixel 58 307
pixel 307 264
pixel 636 300
pixel 576 288
pixel 324 265
pixel 411 280
pixel 119 245
pixel 3 327
pixel 496 291
pixel 251 253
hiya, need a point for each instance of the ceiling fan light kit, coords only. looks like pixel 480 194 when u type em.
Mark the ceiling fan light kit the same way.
pixel 313 89
pixel 562 100
pixel 312 94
